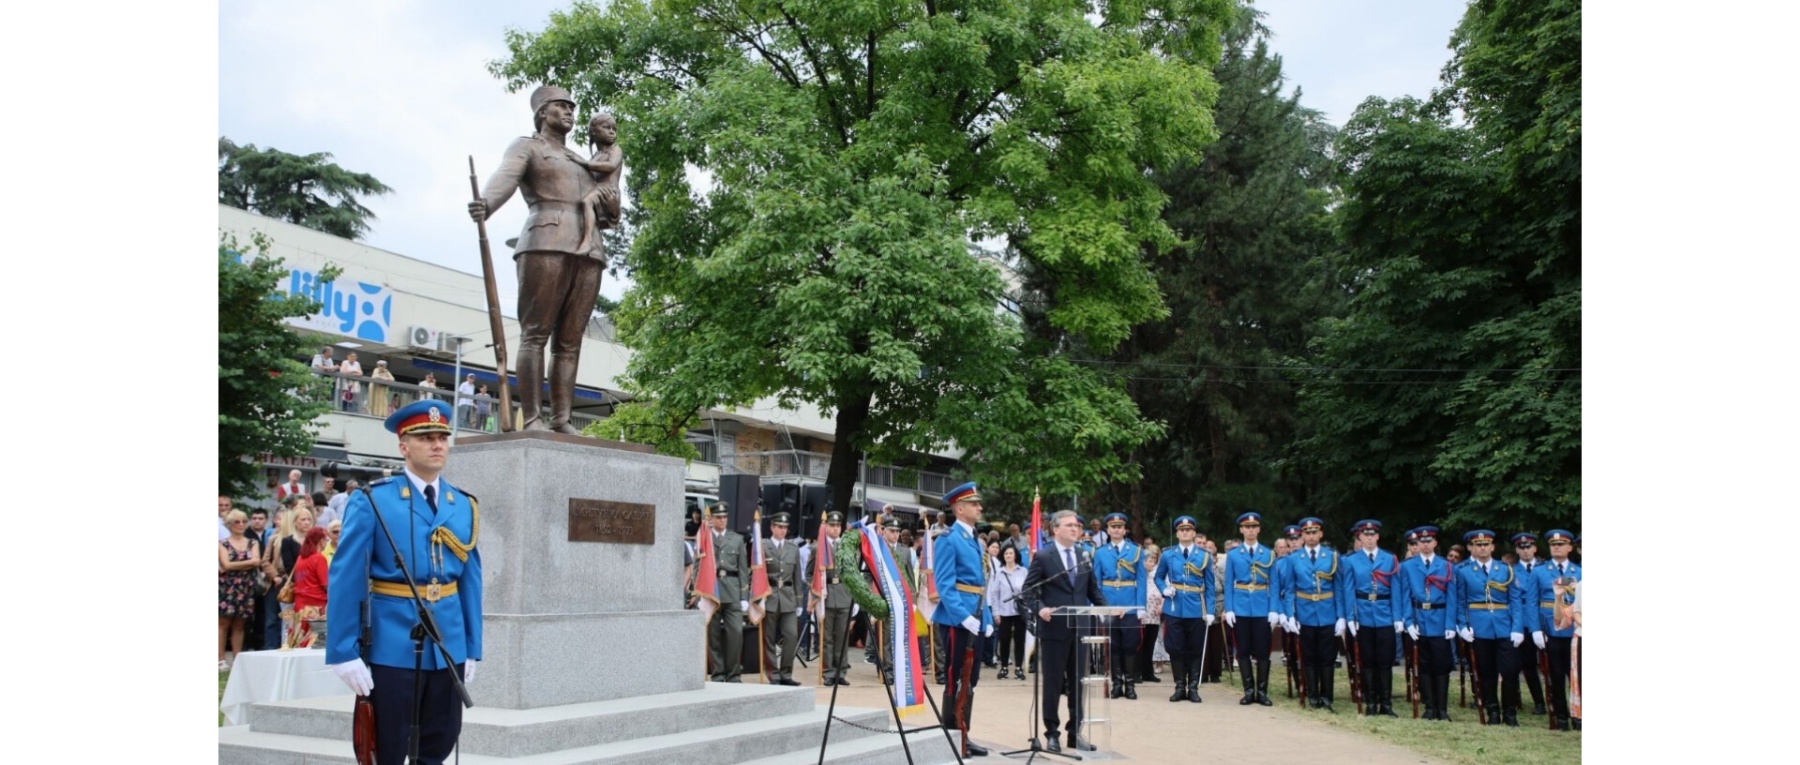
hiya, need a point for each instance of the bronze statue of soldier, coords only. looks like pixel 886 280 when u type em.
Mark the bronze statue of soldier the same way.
pixel 559 260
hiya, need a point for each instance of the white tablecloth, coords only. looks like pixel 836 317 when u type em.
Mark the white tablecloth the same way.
pixel 263 676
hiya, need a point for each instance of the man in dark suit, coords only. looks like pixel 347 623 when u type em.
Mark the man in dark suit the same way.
pixel 1061 574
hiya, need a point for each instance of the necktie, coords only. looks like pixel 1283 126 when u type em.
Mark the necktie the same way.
pixel 431 497
pixel 1528 568
pixel 1069 563
pixel 1562 568
pixel 1371 556
pixel 1315 556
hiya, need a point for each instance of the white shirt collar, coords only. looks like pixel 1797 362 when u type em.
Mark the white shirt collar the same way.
pixel 966 526
pixel 419 484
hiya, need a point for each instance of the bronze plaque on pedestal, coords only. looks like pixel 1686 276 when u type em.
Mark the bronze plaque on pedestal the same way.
pixel 597 520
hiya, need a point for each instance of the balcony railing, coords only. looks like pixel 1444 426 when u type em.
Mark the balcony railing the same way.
pixel 368 397
pixel 793 463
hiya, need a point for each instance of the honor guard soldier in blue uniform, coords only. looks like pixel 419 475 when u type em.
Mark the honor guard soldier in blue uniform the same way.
pixel 962 572
pixel 1431 621
pixel 436 526
pixel 1490 616
pixel 1524 546
pixel 1184 575
pixel 1316 600
pixel 1119 564
pixel 1251 610
pixel 1556 642
pixel 1372 576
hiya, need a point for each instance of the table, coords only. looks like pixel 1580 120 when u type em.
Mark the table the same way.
pixel 264 676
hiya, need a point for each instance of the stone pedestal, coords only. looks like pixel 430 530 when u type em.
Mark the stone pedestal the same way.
pixel 573 622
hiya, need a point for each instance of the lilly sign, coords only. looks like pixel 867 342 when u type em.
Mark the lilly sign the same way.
pixel 361 311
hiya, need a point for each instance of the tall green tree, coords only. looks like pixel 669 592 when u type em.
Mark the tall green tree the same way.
pixel 1251 214
pixel 268 400
pixel 308 190
pixel 1451 389
pixel 854 150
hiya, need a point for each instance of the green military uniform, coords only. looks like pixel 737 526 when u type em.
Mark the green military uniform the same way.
pixel 836 626
pixel 781 626
pixel 725 631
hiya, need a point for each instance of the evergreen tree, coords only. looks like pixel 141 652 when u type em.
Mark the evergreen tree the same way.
pixel 1251 213
pixel 297 189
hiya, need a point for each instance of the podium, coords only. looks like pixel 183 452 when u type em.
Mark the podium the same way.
pixel 1094 662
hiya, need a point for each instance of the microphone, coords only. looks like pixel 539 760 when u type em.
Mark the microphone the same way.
pixel 362 473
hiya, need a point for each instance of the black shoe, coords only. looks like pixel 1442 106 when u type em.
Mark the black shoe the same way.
pixel 1249 697
pixel 1149 677
pixel 1562 724
pixel 786 681
pixel 1193 691
pixel 1130 692
pixel 971 750
pixel 1019 673
pixel 1079 743
pixel 843 681
pixel 938 679
pixel 1575 723
pixel 1053 745
pixel 1537 708
pixel 1002 675
pixel 1511 719
pixel 1118 688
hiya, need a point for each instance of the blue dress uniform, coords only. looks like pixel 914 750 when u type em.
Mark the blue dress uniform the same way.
pixel 1184 576
pixel 1373 579
pixel 1123 577
pixel 1528 650
pixel 1249 599
pixel 1316 598
pixel 962 612
pixel 1431 619
pixel 437 527
pixel 1490 615
pixel 1543 619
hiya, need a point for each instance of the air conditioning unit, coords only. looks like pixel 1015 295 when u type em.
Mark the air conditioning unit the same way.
pixel 447 342
pixel 423 337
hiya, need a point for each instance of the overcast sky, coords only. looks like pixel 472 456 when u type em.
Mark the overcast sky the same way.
pixel 400 89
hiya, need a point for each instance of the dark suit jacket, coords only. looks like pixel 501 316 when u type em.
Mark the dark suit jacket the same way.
pixel 1058 591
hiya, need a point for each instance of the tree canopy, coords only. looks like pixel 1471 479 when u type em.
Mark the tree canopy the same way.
pixel 308 190
pixel 819 187
pixel 268 399
pixel 1450 390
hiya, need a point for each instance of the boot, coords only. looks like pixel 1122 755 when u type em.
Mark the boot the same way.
pixel 1510 717
pixel 1178 671
pixel 562 392
pixel 1537 708
pixel 1441 694
pixel 1262 684
pixel 1129 677
pixel 1426 685
pixel 531 388
pixel 1387 694
pixel 1118 687
pixel 1327 688
pixel 1311 678
pixel 1193 686
pixel 1562 723
pixel 1249 682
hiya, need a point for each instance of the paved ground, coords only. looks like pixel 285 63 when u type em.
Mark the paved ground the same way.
pixel 1151 729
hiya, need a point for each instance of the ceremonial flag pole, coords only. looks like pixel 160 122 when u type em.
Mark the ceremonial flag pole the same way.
pixel 759 591
pixel 818 591
pixel 706 586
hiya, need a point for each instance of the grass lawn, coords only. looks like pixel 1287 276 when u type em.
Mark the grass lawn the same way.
pixel 1463 740
pixel 222 677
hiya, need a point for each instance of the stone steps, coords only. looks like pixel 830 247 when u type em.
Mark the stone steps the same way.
pixel 795 736
pixel 525 732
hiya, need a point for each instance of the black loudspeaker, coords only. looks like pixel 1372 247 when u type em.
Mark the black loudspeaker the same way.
pixel 814 498
pixel 739 492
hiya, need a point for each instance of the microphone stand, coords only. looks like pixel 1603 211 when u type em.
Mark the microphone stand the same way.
pixel 1023 601
pixel 425 629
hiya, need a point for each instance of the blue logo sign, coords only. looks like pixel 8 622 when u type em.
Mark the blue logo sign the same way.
pixel 362 312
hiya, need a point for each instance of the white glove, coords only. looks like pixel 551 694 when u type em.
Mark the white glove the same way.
pixel 1518 638
pixel 972 624
pixel 469 670
pixel 1293 626
pixel 1209 619
pixel 1401 627
pixel 743 605
pixel 1449 634
pixel 1231 618
pixel 1412 631
pixel 1168 592
pixel 987 631
pixel 1353 626
pixel 1274 620
pixel 1537 636
pixel 1338 628
pixel 355 674
pixel 1468 634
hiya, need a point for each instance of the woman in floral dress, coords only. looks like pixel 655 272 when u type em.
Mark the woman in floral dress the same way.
pixel 239 557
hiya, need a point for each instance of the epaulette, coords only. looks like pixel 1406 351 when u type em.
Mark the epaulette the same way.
pixel 383 480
